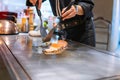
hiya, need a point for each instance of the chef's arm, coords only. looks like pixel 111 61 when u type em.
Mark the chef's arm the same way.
pixel 85 7
pixel 33 2
pixel 79 10
pixel 81 7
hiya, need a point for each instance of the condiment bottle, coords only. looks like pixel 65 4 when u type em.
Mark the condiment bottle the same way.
pixel 31 22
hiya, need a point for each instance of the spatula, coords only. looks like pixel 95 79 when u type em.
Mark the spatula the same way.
pixel 42 29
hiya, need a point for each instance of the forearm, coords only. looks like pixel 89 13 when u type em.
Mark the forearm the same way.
pixel 33 2
pixel 79 10
pixel 82 8
pixel 85 7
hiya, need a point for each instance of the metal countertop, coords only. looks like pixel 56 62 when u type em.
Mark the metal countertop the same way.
pixel 78 62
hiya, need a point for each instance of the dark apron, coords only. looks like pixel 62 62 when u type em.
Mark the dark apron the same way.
pixel 83 33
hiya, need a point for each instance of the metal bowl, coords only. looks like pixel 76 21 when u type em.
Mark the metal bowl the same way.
pixel 8 27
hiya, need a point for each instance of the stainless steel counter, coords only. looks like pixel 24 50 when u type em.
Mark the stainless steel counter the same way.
pixel 78 62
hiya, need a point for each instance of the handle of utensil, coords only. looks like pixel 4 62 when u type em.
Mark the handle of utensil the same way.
pixel 67 8
pixel 38 11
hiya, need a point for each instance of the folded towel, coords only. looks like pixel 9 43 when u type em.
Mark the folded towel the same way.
pixel 35 33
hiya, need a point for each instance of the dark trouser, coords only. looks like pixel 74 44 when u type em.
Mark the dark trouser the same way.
pixel 84 33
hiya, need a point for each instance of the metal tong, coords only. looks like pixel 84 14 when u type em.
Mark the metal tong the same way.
pixel 42 29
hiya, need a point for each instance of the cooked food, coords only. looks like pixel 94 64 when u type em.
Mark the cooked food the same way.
pixel 56 48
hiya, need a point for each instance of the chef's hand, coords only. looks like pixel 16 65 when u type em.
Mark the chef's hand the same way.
pixel 72 12
pixel 34 2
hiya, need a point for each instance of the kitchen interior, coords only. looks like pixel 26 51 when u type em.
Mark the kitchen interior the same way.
pixel 107 27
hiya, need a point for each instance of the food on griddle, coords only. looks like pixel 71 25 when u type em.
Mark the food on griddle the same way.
pixel 56 48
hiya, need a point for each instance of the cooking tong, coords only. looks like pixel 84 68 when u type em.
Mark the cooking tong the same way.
pixel 47 37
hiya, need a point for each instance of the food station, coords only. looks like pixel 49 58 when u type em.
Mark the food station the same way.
pixel 25 58
pixel 25 61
